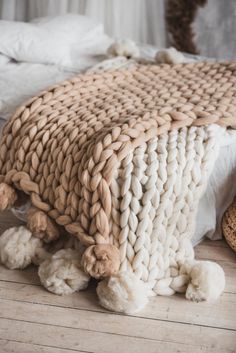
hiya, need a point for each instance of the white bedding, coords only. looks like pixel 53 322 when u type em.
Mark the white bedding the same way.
pixel 20 81
pixel 62 40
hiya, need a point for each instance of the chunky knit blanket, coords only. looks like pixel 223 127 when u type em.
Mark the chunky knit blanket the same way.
pixel 121 159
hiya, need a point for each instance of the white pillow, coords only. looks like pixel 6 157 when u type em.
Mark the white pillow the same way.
pixel 54 40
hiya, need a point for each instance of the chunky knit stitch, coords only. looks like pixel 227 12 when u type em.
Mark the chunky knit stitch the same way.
pixel 120 160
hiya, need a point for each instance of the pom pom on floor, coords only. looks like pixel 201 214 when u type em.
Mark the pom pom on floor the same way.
pixel 207 281
pixel 8 196
pixel 18 248
pixel 62 274
pixel 123 47
pixel 101 260
pixel 170 56
pixel 123 293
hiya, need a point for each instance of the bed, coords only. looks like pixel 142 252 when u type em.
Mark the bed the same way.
pixel 23 76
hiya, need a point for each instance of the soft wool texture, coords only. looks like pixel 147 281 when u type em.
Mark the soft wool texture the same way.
pixel 124 47
pixel 207 280
pixel 101 261
pixel 18 248
pixel 123 293
pixel 8 197
pixel 156 224
pixel 170 56
pixel 123 169
pixel 62 273
pixel 41 225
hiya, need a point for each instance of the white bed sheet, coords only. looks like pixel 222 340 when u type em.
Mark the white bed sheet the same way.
pixel 220 192
pixel 20 81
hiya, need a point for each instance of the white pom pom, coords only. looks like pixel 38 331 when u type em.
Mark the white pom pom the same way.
pixel 122 293
pixel 123 47
pixel 170 56
pixel 207 281
pixel 18 248
pixel 62 273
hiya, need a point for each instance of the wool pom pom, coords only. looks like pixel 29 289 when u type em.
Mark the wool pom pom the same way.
pixel 123 47
pixel 8 196
pixel 207 280
pixel 102 260
pixel 41 225
pixel 170 56
pixel 62 274
pixel 122 293
pixel 18 248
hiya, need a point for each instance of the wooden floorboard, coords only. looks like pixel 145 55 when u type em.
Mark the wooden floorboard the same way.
pixel 33 320
pixel 14 346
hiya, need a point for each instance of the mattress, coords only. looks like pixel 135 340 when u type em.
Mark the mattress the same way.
pixel 20 81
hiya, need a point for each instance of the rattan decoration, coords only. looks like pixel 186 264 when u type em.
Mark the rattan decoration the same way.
pixel 229 225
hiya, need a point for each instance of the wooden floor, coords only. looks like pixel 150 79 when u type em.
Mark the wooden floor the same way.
pixel 34 320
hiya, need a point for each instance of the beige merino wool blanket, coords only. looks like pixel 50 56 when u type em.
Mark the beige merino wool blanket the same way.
pixel 121 158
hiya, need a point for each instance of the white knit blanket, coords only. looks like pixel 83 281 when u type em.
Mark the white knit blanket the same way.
pixel 157 190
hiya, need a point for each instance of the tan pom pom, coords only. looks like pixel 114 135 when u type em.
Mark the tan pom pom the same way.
pixel 37 222
pixel 101 260
pixel 41 225
pixel 8 196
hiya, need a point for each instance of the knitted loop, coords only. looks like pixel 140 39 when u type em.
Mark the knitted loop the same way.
pixel 157 190
pixel 64 146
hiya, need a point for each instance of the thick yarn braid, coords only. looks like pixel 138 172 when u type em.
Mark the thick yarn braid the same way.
pixel 154 182
pixel 63 148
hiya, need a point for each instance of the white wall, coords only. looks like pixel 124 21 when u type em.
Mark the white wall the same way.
pixel 215 28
